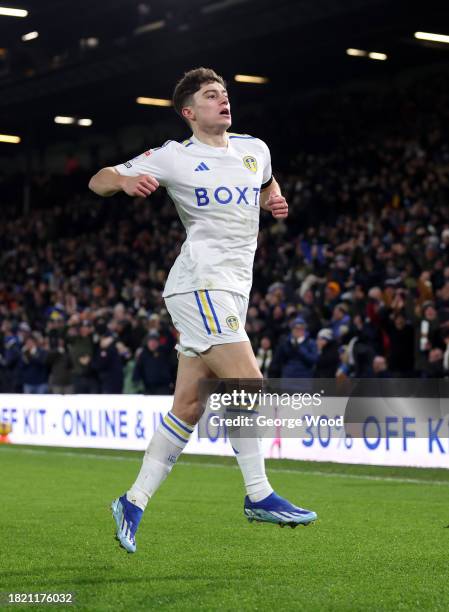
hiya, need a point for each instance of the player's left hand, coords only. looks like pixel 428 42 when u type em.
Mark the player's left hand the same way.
pixel 278 206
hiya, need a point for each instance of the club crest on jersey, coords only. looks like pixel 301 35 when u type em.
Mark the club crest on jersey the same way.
pixel 232 322
pixel 250 162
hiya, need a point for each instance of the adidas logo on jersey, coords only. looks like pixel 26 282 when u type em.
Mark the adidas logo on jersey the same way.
pixel 202 166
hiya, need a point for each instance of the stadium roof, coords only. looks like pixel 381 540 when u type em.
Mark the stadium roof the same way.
pixel 92 58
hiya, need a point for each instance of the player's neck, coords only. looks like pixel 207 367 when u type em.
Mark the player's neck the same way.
pixel 212 139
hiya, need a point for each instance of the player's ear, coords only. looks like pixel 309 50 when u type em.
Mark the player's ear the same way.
pixel 187 113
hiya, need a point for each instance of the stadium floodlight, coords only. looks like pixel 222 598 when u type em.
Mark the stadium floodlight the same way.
pixel 10 139
pixel 85 122
pixel 248 78
pixel 377 56
pixel 442 38
pixel 220 6
pixel 150 27
pixel 153 101
pixel 30 36
pixel 64 120
pixel 12 12
pixel 356 52
pixel 91 42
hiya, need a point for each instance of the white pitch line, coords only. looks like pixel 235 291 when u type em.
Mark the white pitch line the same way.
pixel 419 481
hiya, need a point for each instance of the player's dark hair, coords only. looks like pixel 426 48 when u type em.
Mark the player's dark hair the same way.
pixel 190 83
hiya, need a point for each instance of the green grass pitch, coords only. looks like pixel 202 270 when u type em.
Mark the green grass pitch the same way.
pixel 381 541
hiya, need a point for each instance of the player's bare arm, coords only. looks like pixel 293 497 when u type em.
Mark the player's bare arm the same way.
pixel 271 199
pixel 107 182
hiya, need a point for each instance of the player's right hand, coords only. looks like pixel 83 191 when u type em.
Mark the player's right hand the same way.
pixel 139 186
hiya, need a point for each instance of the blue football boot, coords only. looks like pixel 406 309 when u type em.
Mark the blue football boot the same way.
pixel 127 518
pixel 275 509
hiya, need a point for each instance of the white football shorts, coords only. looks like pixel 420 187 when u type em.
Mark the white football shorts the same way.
pixel 204 318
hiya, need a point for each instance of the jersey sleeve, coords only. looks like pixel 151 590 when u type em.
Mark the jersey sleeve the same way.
pixel 158 162
pixel 267 175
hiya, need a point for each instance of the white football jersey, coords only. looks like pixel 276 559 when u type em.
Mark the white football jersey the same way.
pixel 216 193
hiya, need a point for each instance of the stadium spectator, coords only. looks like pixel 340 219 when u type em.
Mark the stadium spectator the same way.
pixel 33 365
pixel 264 355
pixel 446 353
pixel 60 365
pixel 435 364
pixel 401 340
pixel 297 355
pixel 81 350
pixel 345 366
pixel 310 312
pixel 380 367
pixel 108 365
pixel 328 355
pixel 341 320
pixel 331 297
pixel 10 360
pixel 154 367
pixel 129 363
pixel 427 337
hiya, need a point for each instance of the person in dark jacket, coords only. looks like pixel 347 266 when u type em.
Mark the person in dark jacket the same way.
pixel 427 336
pixel 264 355
pixel 154 367
pixel 296 357
pixel 81 349
pixel 380 367
pixel 10 362
pixel 34 366
pixel 108 365
pixel 402 342
pixel 60 364
pixel 328 355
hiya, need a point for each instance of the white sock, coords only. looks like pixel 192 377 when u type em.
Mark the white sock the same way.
pixel 250 457
pixel 166 445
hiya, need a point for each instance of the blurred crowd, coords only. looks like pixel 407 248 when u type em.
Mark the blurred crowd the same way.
pixel 354 284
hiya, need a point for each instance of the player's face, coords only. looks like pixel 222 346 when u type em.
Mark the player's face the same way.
pixel 210 107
